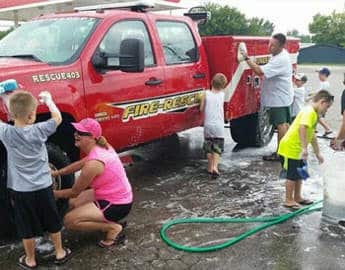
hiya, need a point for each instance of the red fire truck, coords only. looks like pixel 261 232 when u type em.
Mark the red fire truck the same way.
pixel 140 74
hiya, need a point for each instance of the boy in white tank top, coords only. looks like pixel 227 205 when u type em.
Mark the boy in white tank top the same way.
pixel 213 106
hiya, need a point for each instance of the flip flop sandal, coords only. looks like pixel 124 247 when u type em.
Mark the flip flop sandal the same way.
pixel 119 240
pixel 215 175
pixel 65 258
pixel 293 207
pixel 123 224
pixel 327 133
pixel 23 265
pixel 306 202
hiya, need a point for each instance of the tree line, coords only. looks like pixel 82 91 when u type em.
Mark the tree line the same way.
pixel 226 20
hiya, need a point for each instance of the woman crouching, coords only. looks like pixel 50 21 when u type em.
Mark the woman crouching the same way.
pixel 102 195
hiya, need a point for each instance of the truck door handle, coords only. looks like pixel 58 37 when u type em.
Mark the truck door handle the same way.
pixel 256 82
pixel 199 76
pixel 153 81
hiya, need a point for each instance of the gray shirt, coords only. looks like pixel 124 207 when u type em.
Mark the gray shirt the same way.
pixel 277 88
pixel 214 114
pixel 27 168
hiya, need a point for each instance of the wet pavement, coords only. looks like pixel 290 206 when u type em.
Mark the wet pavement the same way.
pixel 170 181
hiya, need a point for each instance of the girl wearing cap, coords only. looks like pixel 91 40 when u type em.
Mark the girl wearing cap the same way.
pixel 102 194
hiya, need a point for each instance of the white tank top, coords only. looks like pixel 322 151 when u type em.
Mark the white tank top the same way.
pixel 214 114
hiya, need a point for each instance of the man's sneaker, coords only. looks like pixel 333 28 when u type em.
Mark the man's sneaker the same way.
pixel 272 157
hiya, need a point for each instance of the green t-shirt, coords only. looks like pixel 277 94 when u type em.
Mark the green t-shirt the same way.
pixel 290 145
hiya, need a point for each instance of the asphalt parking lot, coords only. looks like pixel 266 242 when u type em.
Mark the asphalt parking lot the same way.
pixel 170 181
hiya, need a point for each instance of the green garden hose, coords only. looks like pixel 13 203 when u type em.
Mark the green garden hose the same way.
pixel 267 222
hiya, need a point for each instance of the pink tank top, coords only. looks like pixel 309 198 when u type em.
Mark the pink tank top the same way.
pixel 112 185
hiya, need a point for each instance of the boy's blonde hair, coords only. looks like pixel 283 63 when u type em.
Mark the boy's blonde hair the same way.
pixel 21 104
pixel 324 95
pixel 219 81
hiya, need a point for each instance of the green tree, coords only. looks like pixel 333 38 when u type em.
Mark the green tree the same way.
pixel 328 29
pixel 303 38
pixel 226 20
pixel 4 33
pixel 259 27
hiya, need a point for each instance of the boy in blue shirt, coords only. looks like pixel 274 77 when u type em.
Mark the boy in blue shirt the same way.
pixel 29 178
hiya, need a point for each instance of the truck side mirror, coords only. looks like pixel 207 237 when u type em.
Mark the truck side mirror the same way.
pixel 132 55
pixel 130 58
pixel 98 60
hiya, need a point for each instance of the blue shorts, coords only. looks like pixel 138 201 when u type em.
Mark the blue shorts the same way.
pixel 292 165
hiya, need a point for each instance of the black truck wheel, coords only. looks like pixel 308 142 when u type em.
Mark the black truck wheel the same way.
pixel 57 159
pixel 7 227
pixel 252 130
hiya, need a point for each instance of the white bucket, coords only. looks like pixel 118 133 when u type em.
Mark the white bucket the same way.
pixel 334 188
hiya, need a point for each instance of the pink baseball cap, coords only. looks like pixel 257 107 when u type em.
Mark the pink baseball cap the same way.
pixel 89 125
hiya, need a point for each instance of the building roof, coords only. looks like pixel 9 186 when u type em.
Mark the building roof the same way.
pixel 322 45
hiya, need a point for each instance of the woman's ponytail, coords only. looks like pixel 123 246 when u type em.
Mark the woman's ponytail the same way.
pixel 102 142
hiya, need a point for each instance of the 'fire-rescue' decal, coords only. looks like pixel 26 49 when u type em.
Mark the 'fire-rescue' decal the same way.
pixel 147 108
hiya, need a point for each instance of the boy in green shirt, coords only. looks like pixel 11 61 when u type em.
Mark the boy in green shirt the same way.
pixel 293 147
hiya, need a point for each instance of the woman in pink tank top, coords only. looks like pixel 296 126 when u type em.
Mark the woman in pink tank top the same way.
pixel 102 195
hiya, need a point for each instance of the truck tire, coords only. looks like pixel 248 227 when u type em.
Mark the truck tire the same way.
pixel 6 218
pixel 252 130
pixel 57 159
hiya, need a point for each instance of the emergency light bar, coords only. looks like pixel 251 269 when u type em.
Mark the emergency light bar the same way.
pixel 199 15
pixel 142 5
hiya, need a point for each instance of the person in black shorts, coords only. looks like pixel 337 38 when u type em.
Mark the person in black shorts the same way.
pixel 29 179
pixel 102 195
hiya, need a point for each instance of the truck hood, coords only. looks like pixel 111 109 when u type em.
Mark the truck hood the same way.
pixel 10 66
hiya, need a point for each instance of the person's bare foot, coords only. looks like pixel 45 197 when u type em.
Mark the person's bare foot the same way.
pixel 111 235
pixel 24 263
pixel 118 239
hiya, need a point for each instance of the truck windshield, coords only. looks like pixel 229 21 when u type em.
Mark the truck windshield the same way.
pixel 53 41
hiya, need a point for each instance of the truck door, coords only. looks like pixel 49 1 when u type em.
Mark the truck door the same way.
pixel 186 73
pixel 126 103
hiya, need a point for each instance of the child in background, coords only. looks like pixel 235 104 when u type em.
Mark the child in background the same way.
pixel 323 77
pixel 299 94
pixel 324 85
pixel 29 178
pixel 293 147
pixel 213 105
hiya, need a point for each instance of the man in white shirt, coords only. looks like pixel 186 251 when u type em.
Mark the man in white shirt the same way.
pixel 277 91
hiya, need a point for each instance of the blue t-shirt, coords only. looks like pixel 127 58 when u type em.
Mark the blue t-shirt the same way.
pixel 27 156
